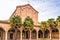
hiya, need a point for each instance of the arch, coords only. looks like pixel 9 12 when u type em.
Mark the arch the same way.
pixel 11 34
pixel 2 29
pixel 18 35
pixel 46 34
pixel 40 34
pixel 2 34
pixel 25 34
pixel 34 34
pixel 11 30
pixel 55 33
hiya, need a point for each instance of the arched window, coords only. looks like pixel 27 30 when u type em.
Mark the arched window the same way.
pixel 25 34
pixel 34 34
pixel 40 34
pixel 2 34
pixel 55 33
pixel 18 34
pixel 46 34
pixel 11 34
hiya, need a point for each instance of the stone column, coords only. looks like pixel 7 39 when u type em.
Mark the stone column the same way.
pixel 30 34
pixel 50 34
pixel 59 34
pixel 21 34
pixel 6 35
pixel 37 35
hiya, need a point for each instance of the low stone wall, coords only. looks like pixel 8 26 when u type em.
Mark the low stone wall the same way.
pixel 29 39
pixel 42 39
pixel 55 39
pixel 47 39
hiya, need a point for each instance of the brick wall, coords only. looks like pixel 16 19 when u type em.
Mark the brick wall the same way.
pixel 26 10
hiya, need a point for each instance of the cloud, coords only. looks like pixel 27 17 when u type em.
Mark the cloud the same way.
pixel 46 8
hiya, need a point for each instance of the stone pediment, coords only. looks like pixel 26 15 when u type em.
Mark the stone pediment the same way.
pixel 26 10
pixel 23 7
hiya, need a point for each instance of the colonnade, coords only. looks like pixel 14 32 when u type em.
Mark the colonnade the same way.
pixel 29 35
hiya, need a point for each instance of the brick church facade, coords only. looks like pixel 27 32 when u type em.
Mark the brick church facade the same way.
pixel 36 34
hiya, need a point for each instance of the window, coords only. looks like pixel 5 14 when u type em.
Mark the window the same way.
pixel 0 34
pixel 11 35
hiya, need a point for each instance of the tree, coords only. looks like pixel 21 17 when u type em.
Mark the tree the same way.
pixel 28 24
pixel 43 27
pixel 58 21
pixel 52 25
pixel 15 23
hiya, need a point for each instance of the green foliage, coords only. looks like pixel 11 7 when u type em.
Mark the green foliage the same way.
pixel 51 23
pixel 43 26
pixel 28 23
pixel 15 21
pixel 58 21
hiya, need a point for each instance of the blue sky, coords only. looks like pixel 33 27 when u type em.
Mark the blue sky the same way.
pixel 46 8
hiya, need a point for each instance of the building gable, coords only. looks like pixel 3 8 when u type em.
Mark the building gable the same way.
pixel 26 10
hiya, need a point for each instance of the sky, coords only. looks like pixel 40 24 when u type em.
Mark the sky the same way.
pixel 47 8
